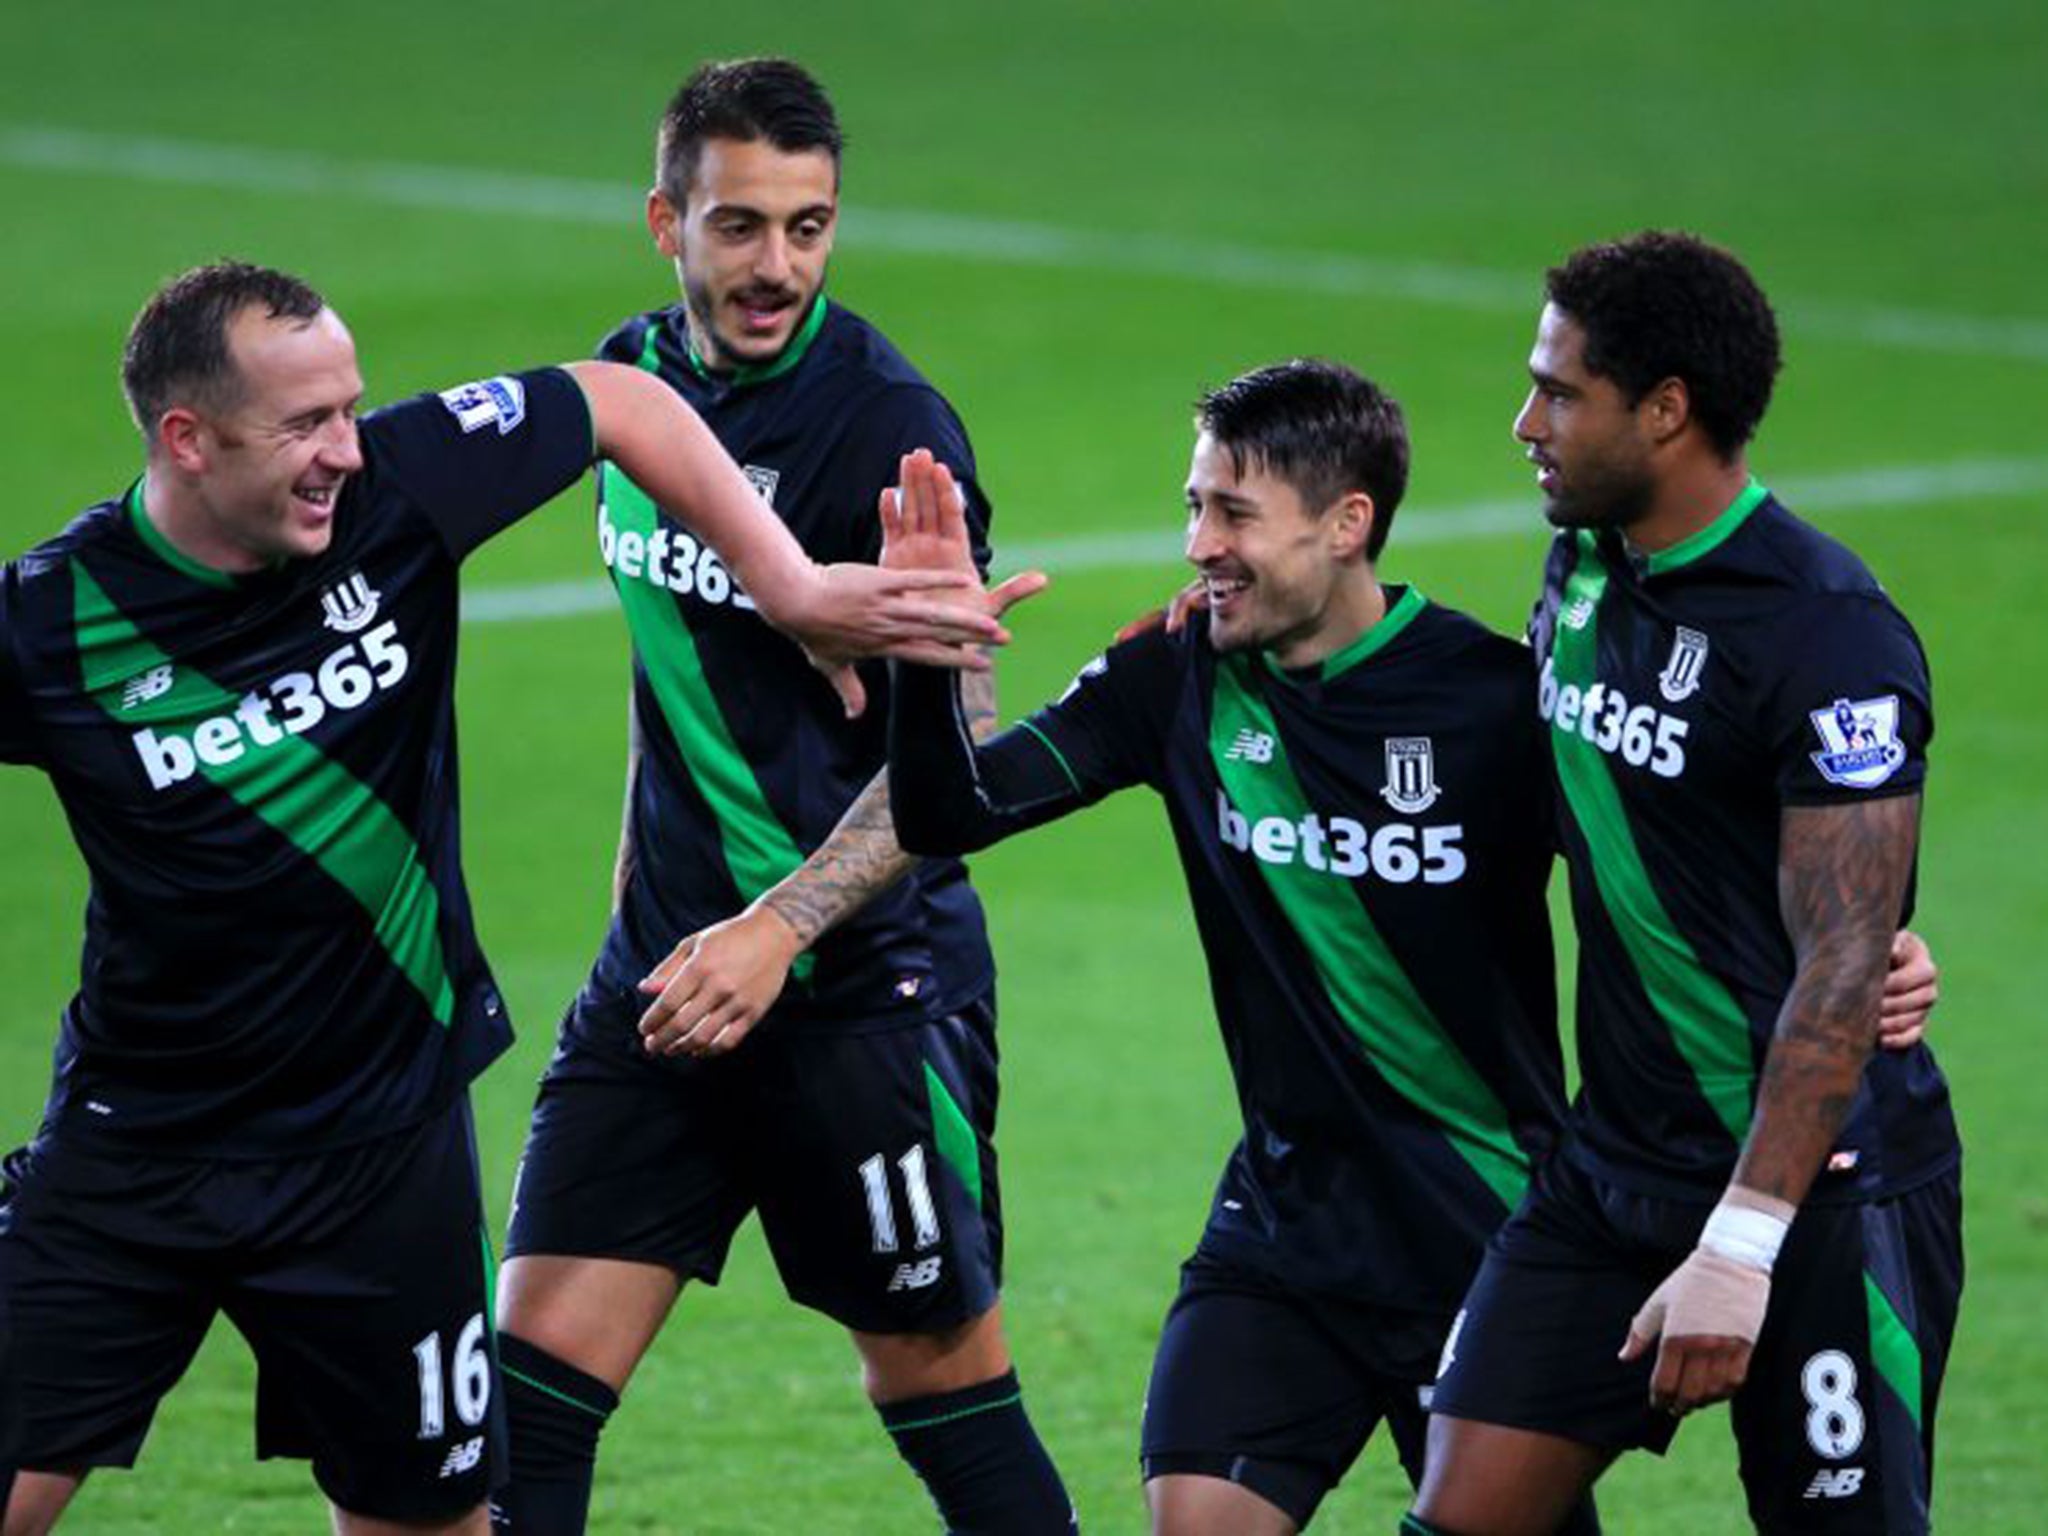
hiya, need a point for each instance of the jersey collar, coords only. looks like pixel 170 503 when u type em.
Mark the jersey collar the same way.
pixel 1710 538
pixel 761 373
pixel 165 550
pixel 1405 608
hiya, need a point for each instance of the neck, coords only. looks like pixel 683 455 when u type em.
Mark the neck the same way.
pixel 1688 499
pixel 1356 604
pixel 176 512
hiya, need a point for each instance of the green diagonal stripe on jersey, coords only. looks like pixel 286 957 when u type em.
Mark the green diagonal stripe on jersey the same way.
pixel 1709 1031
pixel 1893 1348
pixel 324 810
pixel 759 849
pixel 952 1132
pixel 1365 983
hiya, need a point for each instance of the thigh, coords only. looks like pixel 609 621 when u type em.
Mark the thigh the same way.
pixel 372 1337
pixel 1534 1346
pixel 875 1159
pixel 1836 1422
pixel 634 1159
pixel 106 1307
pixel 1248 1385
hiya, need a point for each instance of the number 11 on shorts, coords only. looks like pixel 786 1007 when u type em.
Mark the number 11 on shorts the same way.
pixel 924 1215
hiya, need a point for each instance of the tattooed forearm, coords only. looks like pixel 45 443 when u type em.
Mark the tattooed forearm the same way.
pixel 862 858
pixel 1842 875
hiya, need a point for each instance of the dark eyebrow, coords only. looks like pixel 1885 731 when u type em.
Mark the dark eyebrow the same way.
pixel 1550 381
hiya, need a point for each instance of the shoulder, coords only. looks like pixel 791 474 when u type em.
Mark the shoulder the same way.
pixel 1142 666
pixel 1817 591
pixel 876 381
pixel 1791 552
pixel 1453 638
pixel 97 527
pixel 628 341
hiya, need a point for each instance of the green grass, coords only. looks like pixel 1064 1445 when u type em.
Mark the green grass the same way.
pixel 1869 158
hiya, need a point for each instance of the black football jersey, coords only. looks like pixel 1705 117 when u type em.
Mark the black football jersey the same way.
pixel 260 773
pixel 1689 697
pixel 1366 845
pixel 747 761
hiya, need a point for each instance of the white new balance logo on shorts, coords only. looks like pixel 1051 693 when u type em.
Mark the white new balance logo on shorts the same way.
pixel 1835 1485
pixel 463 1458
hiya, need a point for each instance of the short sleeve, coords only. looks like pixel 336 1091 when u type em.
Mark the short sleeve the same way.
pixel 898 420
pixel 1853 714
pixel 1109 729
pixel 478 457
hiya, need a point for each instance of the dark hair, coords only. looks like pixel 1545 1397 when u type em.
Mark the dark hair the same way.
pixel 747 100
pixel 1322 428
pixel 177 350
pixel 1663 305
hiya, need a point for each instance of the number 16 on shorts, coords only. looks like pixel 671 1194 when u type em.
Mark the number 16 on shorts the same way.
pixel 467 1379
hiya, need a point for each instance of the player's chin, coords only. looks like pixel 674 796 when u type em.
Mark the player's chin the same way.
pixel 309 541
pixel 1228 633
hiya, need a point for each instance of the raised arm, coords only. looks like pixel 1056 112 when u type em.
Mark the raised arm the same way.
pixel 837 612
pixel 1843 872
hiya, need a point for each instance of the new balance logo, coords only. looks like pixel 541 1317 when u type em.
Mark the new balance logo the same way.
pixel 463 1458
pixel 1835 1485
pixel 1250 747
pixel 1579 614
pixel 153 684
pixel 915 1277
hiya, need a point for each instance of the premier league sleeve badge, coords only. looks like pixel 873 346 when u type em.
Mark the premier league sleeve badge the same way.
pixel 1860 741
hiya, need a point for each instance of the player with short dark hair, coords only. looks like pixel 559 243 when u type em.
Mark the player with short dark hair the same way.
pixel 239 677
pixel 760 884
pixel 771 101
pixel 1362 811
pixel 1750 1205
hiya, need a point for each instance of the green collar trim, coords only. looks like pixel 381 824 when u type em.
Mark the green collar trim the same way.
pixel 1368 645
pixel 1711 537
pixel 165 550
pixel 761 373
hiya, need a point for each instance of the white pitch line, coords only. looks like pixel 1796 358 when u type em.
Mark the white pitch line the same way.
pixel 447 188
pixel 1899 485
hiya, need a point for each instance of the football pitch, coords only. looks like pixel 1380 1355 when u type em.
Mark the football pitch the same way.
pixel 1074 217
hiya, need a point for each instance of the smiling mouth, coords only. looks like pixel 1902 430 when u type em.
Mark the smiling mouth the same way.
pixel 764 312
pixel 1222 591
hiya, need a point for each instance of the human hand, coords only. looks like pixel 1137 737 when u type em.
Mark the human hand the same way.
pixel 1706 1314
pixel 715 985
pixel 1911 989
pixel 924 528
pixel 1187 602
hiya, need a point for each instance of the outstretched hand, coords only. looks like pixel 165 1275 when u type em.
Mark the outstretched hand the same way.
pixel 848 611
pixel 924 529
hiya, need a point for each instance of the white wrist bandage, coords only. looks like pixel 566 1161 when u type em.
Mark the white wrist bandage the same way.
pixel 1748 1228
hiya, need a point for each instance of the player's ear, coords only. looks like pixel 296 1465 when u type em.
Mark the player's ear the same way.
pixel 1667 409
pixel 663 217
pixel 1351 525
pixel 179 432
